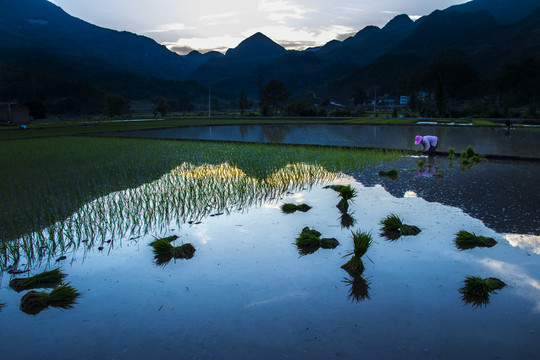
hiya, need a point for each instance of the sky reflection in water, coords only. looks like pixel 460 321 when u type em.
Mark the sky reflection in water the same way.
pixel 248 291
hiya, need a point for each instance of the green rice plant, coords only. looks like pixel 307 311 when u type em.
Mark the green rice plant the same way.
pixel 336 188
pixel 391 223
pixel 309 241
pixel 421 164
pixel 362 241
pixel 451 153
pixel 392 174
pixel 167 239
pixel 63 296
pixel 465 240
pixel 469 151
pixel 476 290
pixel 393 228
pixel 289 208
pixel 164 251
pixel 45 279
pixel 348 193
pixel 359 288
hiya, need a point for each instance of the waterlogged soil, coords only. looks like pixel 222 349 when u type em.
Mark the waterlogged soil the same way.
pixel 248 291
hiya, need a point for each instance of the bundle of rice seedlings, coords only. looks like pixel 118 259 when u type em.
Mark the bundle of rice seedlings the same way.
pixel 328 243
pixel 347 192
pixel 309 241
pixel 477 291
pixel 46 279
pixel 362 241
pixel 392 174
pixel 164 251
pixel 451 153
pixel 393 228
pixel 421 164
pixel 168 239
pixel 359 288
pixel 62 296
pixel 391 223
pixel 465 240
pixel 289 208
pixel 343 206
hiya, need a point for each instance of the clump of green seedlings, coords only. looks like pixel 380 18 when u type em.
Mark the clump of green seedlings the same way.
pixel 46 279
pixel 310 241
pixel 289 208
pixel 468 157
pixel 421 164
pixel 164 251
pixel 451 153
pixel 392 174
pixel 393 228
pixel 362 241
pixel 347 194
pixel 477 291
pixel 465 240
pixel 63 296
pixel 359 288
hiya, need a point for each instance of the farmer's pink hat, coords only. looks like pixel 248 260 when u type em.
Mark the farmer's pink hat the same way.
pixel 417 140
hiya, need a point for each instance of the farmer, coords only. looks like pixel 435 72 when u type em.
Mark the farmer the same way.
pixel 429 143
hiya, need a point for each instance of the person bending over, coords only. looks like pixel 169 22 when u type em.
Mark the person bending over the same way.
pixel 429 143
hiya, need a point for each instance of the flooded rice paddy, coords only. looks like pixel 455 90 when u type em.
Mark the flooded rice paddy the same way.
pixel 248 292
pixel 492 141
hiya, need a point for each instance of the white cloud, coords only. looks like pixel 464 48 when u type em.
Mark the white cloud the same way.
pixel 219 16
pixel 169 27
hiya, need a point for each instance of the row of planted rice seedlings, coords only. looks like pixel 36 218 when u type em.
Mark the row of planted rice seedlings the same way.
pixel 186 194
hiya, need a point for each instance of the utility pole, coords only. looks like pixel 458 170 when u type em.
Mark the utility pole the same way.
pixel 209 102
pixel 375 104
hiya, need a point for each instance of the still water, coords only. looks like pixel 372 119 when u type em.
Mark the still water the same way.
pixel 247 293
pixel 494 141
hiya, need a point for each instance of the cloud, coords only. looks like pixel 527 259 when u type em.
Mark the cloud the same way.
pixel 169 27
pixel 219 16
pixel 279 10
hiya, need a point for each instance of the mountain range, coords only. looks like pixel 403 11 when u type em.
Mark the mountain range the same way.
pixel 485 34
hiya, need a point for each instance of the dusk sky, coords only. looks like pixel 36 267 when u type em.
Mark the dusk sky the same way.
pixel 218 25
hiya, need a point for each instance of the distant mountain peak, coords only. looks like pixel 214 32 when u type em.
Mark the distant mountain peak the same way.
pixel 402 21
pixel 257 45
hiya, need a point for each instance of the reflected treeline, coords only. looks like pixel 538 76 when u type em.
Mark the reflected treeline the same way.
pixel 186 194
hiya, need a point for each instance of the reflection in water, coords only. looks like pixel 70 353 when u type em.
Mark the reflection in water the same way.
pixel 525 242
pixel 187 194
pixel 359 288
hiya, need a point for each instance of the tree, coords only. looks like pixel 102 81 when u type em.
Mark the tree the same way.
pixel 184 104
pixel 162 106
pixel 116 104
pixel 244 102
pixel 273 97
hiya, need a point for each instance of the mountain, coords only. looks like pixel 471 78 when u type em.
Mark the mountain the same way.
pixel 252 53
pixel 504 11
pixel 369 43
pixel 38 25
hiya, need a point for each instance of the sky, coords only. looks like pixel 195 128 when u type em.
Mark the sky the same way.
pixel 204 25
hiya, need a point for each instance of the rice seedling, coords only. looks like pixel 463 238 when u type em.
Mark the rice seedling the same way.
pixel 168 239
pixel 289 208
pixel 164 251
pixel 362 241
pixel 465 240
pixel 62 296
pixel 421 164
pixel 309 241
pixel 392 174
pixel 348 193
pixel 46 279
pixel 477 291
pixel 451 153
pixel 359 288
pixel 393 228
